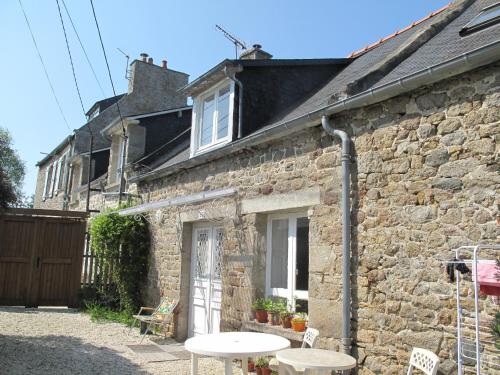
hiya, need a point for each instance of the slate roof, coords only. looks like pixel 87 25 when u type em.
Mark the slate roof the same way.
pixel 103 104
pixel 443 46
pixel 447 44
pixel 440 41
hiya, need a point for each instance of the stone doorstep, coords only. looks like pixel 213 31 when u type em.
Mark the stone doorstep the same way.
pixel 274 330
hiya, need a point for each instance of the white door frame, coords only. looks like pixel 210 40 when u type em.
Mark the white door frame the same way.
pixel 212 228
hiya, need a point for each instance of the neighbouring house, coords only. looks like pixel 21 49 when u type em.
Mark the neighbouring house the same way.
pixel 252 205
pixel 63 174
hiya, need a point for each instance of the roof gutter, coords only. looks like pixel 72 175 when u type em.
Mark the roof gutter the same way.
pixel 473 59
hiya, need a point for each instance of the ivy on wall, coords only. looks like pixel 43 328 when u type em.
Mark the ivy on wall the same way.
pixel 123 240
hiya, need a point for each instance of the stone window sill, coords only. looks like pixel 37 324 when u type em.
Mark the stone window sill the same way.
pixel 274 330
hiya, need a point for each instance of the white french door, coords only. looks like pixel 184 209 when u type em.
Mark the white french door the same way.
pixel 206 283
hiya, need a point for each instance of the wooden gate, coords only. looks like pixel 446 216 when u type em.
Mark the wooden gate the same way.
pixel 41 254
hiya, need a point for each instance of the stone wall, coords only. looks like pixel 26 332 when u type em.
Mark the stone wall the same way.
pixel 425 180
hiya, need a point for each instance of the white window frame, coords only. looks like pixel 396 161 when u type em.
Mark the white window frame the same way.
pixel 62 172
pixel 55 170
pixel 46 188
pixel 58 175
pixel 290 293
pixel 198 116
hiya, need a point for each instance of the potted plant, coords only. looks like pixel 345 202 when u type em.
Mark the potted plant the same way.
pixel 260 307
pixel 251 364
pixel 262 366
pixel 286 318
pixel 273 312
pixel 299 322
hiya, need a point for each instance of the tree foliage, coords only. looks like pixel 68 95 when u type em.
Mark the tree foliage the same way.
pixel 124 239
pixel 12 171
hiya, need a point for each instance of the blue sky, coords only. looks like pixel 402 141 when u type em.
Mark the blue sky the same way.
pixel 182 32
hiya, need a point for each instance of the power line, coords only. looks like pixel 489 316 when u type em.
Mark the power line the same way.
pixel 83 48
pixel 124 143
pixel 70 58
pixel 44 67
pixel 107 65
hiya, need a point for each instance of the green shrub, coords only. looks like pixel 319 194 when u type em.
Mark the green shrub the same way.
pixel 123 240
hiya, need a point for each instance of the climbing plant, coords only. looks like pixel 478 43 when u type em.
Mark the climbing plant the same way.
pixel 125 241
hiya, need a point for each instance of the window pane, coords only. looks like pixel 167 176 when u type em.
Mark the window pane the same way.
pixel 487 15
pixel 302 274
pixel 223 112
pixel 279 253
pixel 207 121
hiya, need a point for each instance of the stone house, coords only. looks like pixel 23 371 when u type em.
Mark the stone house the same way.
pixel 252 206
pixel 64 172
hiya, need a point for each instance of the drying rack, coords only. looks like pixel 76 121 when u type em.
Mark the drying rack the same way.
pixel 470 345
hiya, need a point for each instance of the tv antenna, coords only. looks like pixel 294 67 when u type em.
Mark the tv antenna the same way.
pixel 237 43
pixel 126 67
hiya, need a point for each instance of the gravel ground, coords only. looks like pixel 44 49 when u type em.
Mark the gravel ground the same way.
pixel 61 341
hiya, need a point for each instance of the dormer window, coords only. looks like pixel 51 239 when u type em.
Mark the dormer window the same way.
pixel 213 118
pixel 93 114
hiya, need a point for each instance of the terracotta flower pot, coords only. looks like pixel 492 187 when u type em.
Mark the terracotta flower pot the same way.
pixel 299 326
pixel 266 371
pixel 251 366
pixel 274 318
pixel 261 316
pixel 286 322
pixel 258 370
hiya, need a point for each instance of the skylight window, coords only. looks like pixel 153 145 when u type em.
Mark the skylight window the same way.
pixel 487 17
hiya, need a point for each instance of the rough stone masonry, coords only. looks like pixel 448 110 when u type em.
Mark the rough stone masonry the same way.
pixel 425 180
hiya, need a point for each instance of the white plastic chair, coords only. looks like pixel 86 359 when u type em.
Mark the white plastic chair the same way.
pixel 424 360
pixel 309 339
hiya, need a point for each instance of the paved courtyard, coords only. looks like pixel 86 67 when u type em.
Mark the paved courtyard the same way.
pixel 61 341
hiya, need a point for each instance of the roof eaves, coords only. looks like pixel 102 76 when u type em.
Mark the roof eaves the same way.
pixel 159 113
pixel 456 65
pixel 200 83
pixel 58 148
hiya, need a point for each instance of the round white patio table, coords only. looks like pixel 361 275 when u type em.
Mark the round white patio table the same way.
pixel 316 359
pixel 231 345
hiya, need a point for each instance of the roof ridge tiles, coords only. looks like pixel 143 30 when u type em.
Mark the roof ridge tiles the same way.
pixel 369 47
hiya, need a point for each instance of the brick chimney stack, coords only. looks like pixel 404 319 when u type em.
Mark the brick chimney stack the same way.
pixel 255 53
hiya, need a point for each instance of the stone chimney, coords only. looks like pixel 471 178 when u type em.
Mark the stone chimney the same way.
pixel 155 86
pixel 255 53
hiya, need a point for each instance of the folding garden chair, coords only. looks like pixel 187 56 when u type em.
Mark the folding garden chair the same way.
pixel 160 316
pixel 424 360
pixel 310 337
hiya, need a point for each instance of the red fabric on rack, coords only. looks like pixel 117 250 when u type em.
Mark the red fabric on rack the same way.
pixel 488 277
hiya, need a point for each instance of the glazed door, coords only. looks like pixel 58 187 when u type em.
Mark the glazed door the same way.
pixel 206 284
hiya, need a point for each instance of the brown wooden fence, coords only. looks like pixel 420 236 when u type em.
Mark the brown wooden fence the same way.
pixel 41 256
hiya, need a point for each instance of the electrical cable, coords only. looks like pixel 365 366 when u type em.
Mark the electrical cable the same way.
pixel 83 48
pixel 107 66
pixel 70 58
pixel 122 169
pixel 44 67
